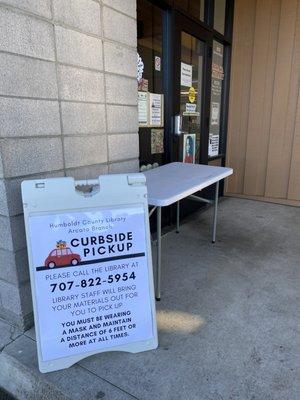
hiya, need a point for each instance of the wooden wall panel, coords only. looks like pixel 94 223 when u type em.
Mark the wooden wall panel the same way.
pixel 284 104
pixel 261 95
pixel 239 89
pixel 263 143
pixel 294 180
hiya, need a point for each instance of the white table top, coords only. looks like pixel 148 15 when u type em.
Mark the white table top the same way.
pixel 175 181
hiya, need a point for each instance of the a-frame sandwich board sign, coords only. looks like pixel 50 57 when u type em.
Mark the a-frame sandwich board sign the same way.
pixel 90 267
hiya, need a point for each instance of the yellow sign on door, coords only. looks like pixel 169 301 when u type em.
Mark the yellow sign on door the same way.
pixel 192 94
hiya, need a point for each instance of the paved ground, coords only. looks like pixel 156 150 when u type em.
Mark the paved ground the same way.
pixel 229 319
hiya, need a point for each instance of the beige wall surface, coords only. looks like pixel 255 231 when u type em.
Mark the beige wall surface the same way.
pixel 263 144
pixel 68 107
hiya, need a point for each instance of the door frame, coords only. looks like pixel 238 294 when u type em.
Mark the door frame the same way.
pixel 173 14
pixel 175 23
pixel 182 23
pixel 170 10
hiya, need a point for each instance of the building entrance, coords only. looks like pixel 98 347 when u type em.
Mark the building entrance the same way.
pixel 183 70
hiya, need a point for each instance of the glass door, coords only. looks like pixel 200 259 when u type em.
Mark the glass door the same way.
pixel 191 84
pixel 192 46
pixel 191 103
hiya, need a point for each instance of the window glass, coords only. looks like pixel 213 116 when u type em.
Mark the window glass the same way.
pixel 69 251
pixel 194 8
pixel 59 253
pixel 64 252
pixel 53 253
pixel 219 15
pixel 216 99
pixel 150 84
pixel 191 84
pixel 217 162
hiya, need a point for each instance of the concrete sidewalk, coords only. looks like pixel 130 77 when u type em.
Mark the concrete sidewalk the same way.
pixel 228 321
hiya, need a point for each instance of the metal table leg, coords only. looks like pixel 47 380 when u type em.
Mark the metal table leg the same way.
pixel 158 264
pixel 177 216
pixel 215 212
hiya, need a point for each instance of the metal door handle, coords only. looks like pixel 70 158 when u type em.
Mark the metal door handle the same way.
pixel 177 125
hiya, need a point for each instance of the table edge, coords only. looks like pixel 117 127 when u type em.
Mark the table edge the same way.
pixel 174 199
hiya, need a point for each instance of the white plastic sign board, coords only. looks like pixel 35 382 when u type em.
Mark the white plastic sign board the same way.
pixel 90 268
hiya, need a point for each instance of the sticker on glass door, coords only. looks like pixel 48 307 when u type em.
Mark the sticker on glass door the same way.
pixel 189 148
pixel 186 74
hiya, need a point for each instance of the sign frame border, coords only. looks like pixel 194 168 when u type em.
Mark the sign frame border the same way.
pixel 38 198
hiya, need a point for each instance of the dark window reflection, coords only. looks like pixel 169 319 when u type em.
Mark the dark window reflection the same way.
pixel 195 8
pixel 219 15
pixel 150 31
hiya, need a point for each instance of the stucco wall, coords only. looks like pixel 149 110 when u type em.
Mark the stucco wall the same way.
pixel 68 106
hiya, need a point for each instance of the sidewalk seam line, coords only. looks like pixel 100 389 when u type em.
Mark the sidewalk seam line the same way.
pixel 105 380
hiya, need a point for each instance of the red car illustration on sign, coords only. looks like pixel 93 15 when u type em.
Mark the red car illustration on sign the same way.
pixel 62 257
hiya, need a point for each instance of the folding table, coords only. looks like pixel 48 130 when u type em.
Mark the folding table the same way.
pixel 173 182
